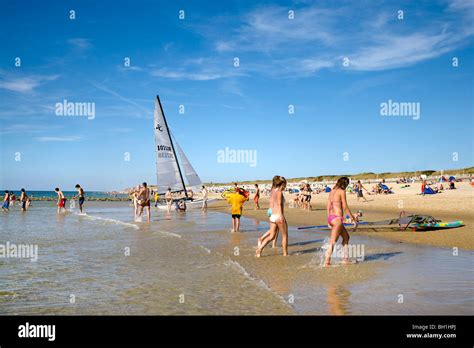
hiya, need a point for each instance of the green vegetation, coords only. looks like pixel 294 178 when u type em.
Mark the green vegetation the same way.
pixel 360 176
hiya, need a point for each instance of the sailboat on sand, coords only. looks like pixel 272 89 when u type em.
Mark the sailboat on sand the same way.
pixel 173 169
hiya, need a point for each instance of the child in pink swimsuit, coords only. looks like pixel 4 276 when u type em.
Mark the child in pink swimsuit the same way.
pixel 337 205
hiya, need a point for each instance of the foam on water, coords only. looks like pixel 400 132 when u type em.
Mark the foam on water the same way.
pixel 169 234
pixel 237 266
pixel 109 220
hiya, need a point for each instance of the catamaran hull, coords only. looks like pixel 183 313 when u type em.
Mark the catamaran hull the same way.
pixel 190 205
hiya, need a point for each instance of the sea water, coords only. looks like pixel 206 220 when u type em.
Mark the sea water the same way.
pixel 189 263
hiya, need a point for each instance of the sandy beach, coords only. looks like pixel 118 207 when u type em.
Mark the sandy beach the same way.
pixel 449 205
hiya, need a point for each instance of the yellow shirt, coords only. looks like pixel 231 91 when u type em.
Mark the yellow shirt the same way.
pixel 237 202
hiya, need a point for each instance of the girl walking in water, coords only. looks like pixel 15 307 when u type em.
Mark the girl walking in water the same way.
pixel 277 217
pixel 336 207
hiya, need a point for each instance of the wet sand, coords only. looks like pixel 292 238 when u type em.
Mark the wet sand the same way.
pixel 449 205
pixel 193 256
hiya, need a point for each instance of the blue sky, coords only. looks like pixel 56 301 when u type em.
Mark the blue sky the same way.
pixel 190 62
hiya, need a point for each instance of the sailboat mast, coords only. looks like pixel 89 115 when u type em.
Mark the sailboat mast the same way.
pixel 172 146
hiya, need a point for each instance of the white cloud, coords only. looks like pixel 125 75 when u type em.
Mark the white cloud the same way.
pixel 187 75
pixel 398 51
pixel 80 43
pixel 21 128
pixel 58 139
pixel 26 84
pixel 122 98
pixel 200 69
pixel 318 37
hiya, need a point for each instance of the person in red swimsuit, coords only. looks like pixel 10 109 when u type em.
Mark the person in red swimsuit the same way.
pixel 61 199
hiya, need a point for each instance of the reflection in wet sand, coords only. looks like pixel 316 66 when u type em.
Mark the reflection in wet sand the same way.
pixel 338 300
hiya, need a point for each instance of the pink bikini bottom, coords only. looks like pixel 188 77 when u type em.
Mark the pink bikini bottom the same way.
pixel 332 217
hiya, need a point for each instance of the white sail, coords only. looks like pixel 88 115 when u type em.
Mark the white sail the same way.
pixel 167 170
pixel 190 174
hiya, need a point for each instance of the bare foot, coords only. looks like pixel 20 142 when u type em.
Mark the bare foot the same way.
pixel 259 243
pixel 258 253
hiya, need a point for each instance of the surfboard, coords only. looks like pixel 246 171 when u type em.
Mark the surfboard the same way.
pixel 438 226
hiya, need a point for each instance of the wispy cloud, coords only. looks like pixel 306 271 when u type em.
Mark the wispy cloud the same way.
pixel 181 74
pixel 79 43
pixel 200 69
pixel 22 128
pixel 319 37
pixel 24 84
pixel 398 51
pixel 58 139
pixel 122 98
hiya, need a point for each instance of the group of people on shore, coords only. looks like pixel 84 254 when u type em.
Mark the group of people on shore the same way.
pixel 303 197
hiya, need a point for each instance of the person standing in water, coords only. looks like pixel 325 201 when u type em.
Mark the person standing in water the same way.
pixel 336 207
pixel 23 200
pixel 277 217
pixel 12 198
pixel 157 198
pixel 134 196
pixel 256 197
pixel 275 233
pixel 6 201
pixel 169 199
pixel 61 200
pixel 80 195
pixel 144 200
pixel 237 201
pixel 205 196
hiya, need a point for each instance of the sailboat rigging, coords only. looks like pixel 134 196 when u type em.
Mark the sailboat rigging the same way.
pixel 173 169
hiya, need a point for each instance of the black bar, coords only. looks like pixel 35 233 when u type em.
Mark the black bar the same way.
pixel 288 330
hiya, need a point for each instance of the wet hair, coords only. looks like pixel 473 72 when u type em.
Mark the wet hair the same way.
pixel 6 191
pixel 144 184
pixel 278 182
pixel 77 186
pixel 342 183
pixel 22 190
pixel 56 189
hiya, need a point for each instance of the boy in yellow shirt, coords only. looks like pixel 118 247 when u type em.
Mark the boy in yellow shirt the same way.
pixel 237 201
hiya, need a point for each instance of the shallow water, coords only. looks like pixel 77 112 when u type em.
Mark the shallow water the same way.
pixel 105 263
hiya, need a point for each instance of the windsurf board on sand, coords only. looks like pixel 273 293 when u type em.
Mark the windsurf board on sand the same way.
pixel 405 221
